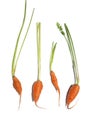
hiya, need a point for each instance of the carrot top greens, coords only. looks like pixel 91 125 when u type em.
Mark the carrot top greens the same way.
pixel 38 37
pixel 69 41
pixel 52 54
pixel 15 58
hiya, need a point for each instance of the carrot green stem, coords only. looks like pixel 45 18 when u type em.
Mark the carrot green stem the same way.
pixel 69 41
pixel 16 47
pixel 38 36
pixel 24 38
pixel 15 59
pixel 52 54
pixel 73 55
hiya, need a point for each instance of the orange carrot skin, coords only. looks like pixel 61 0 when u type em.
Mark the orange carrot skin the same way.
pixel 54 81
pixel 36 90
pixel 17 85
pixel 72 93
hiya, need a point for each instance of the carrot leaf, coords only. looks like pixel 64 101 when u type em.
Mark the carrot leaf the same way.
pixel 15 58
pixel 16 47
pixel 74 59
pixel 70 44
pixel 60 28
pixel 24 38
pixel 52 54
pixel 38 37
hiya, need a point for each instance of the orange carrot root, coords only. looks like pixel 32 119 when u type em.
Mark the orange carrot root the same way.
pixel 17 86
pixel 71 94
pixel 36 91
pixel 55 83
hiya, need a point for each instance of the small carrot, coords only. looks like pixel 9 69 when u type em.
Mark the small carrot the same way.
pixel 52 73
pixel 73 89
pixel 55 83
pixel 37 85
pixel 17 86
pixel 16 82
pixel 36 90
pixel 71 94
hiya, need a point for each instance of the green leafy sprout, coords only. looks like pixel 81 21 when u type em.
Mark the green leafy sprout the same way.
pixel 38 38
pixel 16 58
pixel 52 54
pixel 70 44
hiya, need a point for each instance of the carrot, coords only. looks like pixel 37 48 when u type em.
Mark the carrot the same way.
pixel 36 90
pixel 52 73
pixel 74 89
pixel 17 86
pixel 37 85
pixel 55 83
pixel 16 82
pixel 71 94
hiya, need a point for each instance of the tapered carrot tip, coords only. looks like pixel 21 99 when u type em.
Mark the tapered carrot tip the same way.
pixel 17 86
pixel 55 83
pixel 71 94
pixel 36 91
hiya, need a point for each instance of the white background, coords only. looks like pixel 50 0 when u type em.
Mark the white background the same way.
pixel 82 20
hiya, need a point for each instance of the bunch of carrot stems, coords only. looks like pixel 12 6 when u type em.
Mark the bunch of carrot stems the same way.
pixel 38 85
